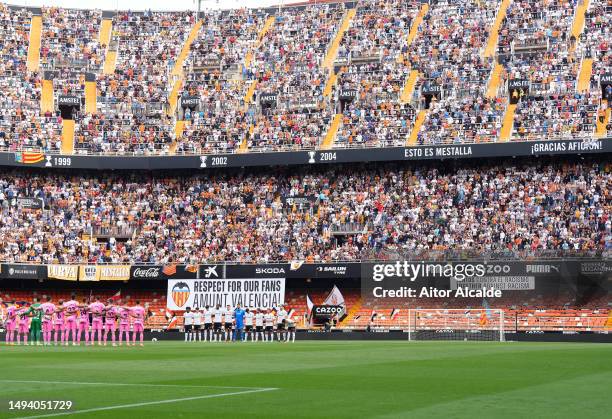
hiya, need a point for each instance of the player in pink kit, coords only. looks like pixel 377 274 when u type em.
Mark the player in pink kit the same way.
pixel 139 314
pixel 11 324
pixel 83 322
pixel 71 307
pixel 24 325
pixel 48 309
pixel 124 324
pixel 97 322
pixel 58 324
pixel 110 324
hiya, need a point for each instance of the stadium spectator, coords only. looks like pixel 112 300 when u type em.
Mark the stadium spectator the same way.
pixel 245 217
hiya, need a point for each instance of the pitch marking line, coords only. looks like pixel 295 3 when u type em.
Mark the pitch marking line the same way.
pixel 127 406
pixel 77 383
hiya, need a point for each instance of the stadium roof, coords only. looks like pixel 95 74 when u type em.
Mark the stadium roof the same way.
pixel 149 4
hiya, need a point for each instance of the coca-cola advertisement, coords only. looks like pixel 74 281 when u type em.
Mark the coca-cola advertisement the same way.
pixel 170 271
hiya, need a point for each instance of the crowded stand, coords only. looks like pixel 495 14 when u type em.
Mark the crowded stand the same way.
pixel 70 39
pixel 539 47
pixel 449 54
pixel 288 62
pixel 225 37
pixel 221 121
pixel 377 71
pixel 288 65
pixel 135 97
pixel 239 52
pixel 595 42
pixel 214 70
pixel 14 36
pixel 22 125
pixel 245 217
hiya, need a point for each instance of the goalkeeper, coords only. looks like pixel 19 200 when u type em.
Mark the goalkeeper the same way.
pixel 35 312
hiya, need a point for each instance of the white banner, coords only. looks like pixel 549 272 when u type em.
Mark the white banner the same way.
pixel 503 283
pixel 252 293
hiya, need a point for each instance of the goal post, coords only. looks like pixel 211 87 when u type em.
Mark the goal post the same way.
pixel 456 324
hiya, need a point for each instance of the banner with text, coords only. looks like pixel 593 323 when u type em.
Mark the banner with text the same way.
pixel 198 293
pixel 104 273
pixel 63 272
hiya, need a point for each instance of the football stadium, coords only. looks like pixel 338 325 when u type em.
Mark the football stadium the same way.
pixel 305 209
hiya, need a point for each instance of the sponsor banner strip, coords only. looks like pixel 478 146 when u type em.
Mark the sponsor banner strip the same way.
pixel 212 161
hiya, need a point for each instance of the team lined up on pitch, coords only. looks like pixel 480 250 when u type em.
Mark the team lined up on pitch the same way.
pixel 220 324
pixel 69 319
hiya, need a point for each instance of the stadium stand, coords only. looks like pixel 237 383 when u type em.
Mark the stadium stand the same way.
pixel 368 73
pixel 351 213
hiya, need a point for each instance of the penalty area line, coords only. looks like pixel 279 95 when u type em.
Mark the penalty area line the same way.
pixel 77 383
pixel 127 406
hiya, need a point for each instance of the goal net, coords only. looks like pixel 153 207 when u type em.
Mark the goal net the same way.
pixel 456 324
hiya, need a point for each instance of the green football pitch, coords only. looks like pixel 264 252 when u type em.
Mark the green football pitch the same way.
pixel 312 379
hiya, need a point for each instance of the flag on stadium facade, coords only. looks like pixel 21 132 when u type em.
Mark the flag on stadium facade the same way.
pixel 296 264
pixel 27 157
pixel 191 268
pixel 373 316
pixel 169 270
pixel 394 313
pixel 334 298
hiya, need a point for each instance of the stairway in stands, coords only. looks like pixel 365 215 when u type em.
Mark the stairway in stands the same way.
pixel 579 18
pixel 418 123
pixel 91 95
pixel 262 33
pixel 330 135
pixel 177 71
pixel 414 29
pixel 600 129
pixel 178 76
pixel 494 81
pixel 34 44
pixel 67 136
pixel 494 32
pixel 409 86
pixel 47 103
pixel 250 93
pixel 586 66
pixel 508 123
pixel 332 52
pixel 110 56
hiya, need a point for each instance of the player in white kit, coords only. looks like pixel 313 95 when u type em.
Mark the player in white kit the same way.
pixel 248 325
pixel 217 321
pixel 188 321
pixel 259 321
pixel 227 323
pixel 269 322
pixel 197 325
pixel 281 316
pixel 207 324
